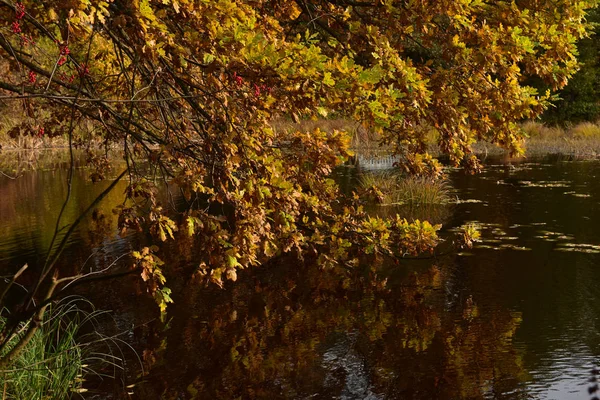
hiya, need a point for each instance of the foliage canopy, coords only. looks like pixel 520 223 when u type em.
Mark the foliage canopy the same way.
pixel 187 88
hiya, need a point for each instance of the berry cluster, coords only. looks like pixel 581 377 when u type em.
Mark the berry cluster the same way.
pixel 66 78
pixel 19 14
pixel 238 79
pixel 261 89
pixel 83 69
pixel 64 52
pixel 19 11
pixel 16 27
pixel 257 89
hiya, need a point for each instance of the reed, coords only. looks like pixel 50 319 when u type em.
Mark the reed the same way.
pixel 581 140
pixel 396 189
pixel 56 361
pixel 584 130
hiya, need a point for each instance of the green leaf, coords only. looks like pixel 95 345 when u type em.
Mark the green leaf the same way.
pixel 146 11
pixel 372 75
pixel 328 80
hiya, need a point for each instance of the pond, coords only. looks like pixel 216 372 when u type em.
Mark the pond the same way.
pixel 516 317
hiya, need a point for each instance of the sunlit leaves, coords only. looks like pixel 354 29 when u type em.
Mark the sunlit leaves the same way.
pixel 152 274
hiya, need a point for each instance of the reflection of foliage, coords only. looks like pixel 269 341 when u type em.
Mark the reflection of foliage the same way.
pixel 485 342
pixel 26 204
pixel 100 227
pixel 14 163
pixel 272 336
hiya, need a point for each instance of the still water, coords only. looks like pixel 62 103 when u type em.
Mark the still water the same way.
pixel 514 318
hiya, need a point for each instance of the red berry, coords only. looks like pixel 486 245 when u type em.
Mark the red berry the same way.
pixel 16 28
pixel 19 10
pixel 265 88
pixel 83 69
pixel 32 77
pixel 238 79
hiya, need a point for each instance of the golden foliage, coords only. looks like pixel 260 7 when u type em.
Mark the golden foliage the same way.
pixel 191 86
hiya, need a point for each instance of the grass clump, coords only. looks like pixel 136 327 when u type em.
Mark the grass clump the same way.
pixel 581 140
pixel 585 130
pixel 54 363
pixel 394 189
pixel 537 130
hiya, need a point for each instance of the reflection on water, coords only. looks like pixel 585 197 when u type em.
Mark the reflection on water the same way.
pixel 29 208
pixel 555 284
pixel 381 332
pixel 514 318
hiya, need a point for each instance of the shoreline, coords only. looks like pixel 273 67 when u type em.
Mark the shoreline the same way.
pixel 580 142
pixel 583 149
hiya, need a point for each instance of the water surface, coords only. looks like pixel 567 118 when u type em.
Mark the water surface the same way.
pixel 514 318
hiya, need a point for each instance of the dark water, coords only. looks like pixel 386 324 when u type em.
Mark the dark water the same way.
pixel 514 318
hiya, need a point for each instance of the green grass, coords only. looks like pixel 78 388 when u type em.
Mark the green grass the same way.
pixel 394 189
pixel 55 362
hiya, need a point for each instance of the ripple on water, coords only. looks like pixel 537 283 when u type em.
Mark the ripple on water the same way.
pixel 563 376
pixel 342 356
pixel 12 246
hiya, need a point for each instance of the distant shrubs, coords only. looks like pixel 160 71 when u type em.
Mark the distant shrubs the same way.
pixel 389 188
